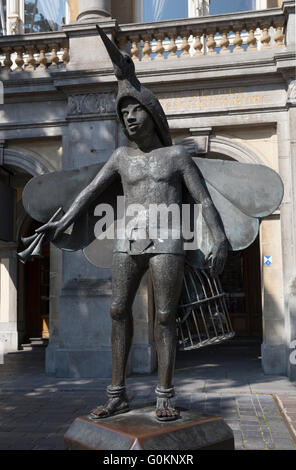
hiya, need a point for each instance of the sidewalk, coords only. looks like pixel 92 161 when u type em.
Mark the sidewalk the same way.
pixel 36 410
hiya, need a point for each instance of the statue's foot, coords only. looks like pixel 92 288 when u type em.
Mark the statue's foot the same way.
pixel 165 410
pixel 117 403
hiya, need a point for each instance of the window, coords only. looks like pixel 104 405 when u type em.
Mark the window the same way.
pixel 219 7
pixel 44 15
pixel 157 10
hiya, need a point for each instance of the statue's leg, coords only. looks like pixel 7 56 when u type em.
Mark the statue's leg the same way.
pixel 167 276
pixel 127 272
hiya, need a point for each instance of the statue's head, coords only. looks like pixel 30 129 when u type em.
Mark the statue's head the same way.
pixel 136 119
pixel 129 88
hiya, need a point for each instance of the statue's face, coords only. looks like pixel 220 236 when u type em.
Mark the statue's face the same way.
pixel 137 120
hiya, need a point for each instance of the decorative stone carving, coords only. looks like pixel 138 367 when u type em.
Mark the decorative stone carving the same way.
pixel 14 25
pixel 91 103
pixel 291 94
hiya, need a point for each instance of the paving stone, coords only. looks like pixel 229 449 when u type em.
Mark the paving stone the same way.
pixel 32 404
pixel 284 444
pixel 249 427
pixel 254 444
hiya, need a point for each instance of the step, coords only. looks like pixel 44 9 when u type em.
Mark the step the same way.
pixel 35 344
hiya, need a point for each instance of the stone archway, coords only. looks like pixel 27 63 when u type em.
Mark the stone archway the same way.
pixel 242 276
pixel 9 287
pixel 26 162
pixel 234 150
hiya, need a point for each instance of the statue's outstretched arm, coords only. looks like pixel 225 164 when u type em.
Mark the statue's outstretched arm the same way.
pixel 194 182
pixel 103 179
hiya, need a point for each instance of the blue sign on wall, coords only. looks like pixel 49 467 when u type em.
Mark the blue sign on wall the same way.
pixel 267 260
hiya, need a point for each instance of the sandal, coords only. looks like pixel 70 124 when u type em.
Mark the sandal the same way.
pixel 165 411
pixel 117 403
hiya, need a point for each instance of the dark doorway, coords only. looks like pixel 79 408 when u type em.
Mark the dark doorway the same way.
pixel 35 290
pixel 241 280
pixel 37 295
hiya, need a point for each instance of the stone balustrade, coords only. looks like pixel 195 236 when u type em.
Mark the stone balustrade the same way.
pixel 235 33
pixel 34 52
pixel 210 35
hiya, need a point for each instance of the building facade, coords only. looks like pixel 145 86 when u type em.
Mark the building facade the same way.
pixel 227 85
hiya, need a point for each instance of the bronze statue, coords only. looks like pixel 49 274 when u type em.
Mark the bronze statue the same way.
pixel 151 171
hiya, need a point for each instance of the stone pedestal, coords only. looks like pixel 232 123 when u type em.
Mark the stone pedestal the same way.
pixel 139 430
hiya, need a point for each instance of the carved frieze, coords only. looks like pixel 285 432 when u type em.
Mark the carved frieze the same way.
pixel 291 94
pixel 91 103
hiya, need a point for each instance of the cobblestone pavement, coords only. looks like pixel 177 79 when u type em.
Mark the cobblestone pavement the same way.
pixel 36 410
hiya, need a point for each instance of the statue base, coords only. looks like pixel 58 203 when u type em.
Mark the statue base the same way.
pixel 140 430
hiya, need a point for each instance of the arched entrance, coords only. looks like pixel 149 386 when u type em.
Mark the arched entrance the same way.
pixel 241 278
pixel 27 298
pixel 34 278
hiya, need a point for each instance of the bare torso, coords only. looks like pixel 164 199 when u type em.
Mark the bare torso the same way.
pixel 151 177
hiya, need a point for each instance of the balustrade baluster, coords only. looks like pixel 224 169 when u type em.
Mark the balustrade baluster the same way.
pixel 265 38
pixel 135 51
pixel 185 46
pixel 147 47
pixel 237 42
pixel 7 61
pixel 159 46
pixel 54 60
pixel 31 61
pixel 251 41
pixel 198 45
pixel 224 43
pixel 172 46
pixel 211 43
pixel 279 36
pixel 42 60
pixel 66 55
pixel 122 41
pixel 19 58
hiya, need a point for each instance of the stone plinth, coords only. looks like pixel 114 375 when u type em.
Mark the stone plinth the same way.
pixel 139 430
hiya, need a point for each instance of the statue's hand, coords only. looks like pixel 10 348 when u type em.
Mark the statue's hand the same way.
pixel 218 257
pixel 52 230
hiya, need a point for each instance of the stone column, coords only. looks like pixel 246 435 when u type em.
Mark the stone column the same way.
pixel 93 10
pixel 14 17
pixel 55 291
pixel 8 296
pixel 273 348
pixel 288 7
pixel 291 323
pixel 198 8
